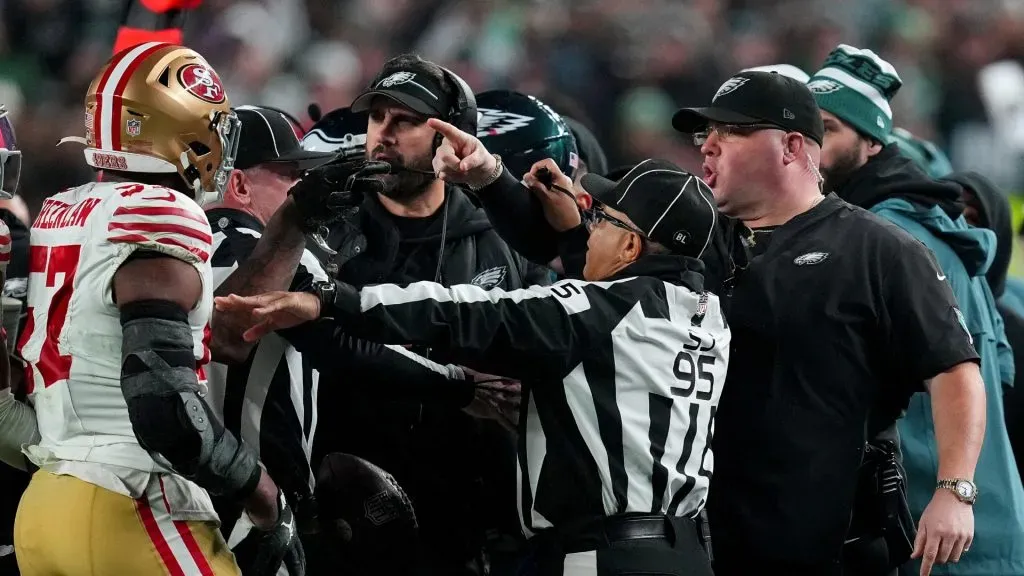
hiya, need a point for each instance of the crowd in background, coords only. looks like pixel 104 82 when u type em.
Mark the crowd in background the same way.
pixel 621 66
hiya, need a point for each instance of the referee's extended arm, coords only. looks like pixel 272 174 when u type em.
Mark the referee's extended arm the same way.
pixel 536 332
pixel 394 369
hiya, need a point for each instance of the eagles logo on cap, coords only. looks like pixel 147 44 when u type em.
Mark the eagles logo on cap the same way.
pixel 396 79
pixel 824 86
pixel 730 86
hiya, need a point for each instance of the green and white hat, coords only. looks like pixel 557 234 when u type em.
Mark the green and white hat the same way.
pixel 857 86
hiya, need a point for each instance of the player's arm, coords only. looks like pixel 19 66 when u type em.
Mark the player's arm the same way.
pixel 164 244
pixel 154 293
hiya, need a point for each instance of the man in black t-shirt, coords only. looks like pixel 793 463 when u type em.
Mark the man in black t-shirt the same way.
pixel 831 323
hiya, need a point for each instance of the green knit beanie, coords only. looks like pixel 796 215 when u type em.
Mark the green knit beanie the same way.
pixel 856 85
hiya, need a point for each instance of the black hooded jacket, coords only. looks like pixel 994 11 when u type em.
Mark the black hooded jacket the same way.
pixel 376 247
pixel 459 471
pixel 889 174
pixel 994 214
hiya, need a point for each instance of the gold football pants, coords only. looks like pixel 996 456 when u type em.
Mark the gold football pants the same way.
pixel 68 527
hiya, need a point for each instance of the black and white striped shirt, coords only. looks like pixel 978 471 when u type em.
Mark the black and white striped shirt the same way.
pixel 270 400
pixel 621 380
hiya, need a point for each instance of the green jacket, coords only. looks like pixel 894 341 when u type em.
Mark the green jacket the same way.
pixel 965 255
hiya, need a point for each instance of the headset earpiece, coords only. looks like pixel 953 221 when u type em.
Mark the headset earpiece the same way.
pixel 463 114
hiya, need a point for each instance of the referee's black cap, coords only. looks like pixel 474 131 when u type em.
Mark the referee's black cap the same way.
pixel 269 137
pixel 757 98
pixel 669 205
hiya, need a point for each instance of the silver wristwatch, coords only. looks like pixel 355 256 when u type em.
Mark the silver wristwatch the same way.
pixel 965 490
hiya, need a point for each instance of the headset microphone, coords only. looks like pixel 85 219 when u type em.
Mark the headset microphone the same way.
pixel 399 168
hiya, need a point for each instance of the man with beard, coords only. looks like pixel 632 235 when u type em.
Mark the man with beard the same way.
pixel 807 372
pixel 456 469
pixel 853 90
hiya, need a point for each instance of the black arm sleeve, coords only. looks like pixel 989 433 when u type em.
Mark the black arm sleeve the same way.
pixel 169 416
pixel 924 328
pixel 519 219
pixel 394 369
pixel 539 332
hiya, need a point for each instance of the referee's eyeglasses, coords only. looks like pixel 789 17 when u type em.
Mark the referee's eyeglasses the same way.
pixel 726 130
pixel 596 215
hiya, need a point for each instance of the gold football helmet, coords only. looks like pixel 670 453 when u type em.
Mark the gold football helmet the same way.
pixel 161 108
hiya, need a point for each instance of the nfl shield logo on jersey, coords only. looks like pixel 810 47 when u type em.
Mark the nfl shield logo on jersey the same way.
pixel 133 127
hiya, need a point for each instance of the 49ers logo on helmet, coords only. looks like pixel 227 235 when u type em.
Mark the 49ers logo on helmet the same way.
pixel 202 82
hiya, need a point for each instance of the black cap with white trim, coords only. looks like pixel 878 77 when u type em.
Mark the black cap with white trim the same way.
pixel 268 137
pixel 754 97
pixel 669 205
pixel 413 88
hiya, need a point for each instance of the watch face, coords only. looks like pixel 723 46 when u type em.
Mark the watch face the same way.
pixel 965 490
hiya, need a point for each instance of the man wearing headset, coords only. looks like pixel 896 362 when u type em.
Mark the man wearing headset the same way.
pixel 415 228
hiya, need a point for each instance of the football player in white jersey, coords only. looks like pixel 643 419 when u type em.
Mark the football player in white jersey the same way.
pixel 120 297
pixel 17 420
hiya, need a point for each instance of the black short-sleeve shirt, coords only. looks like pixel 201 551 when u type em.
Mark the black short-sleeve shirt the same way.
pixel 843 313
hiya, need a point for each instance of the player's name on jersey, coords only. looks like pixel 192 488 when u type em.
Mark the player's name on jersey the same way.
pixel 56 214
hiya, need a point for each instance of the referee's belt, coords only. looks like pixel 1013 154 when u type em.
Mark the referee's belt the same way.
pixel 601 533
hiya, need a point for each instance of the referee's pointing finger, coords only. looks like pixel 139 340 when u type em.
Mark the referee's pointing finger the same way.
pixel 234 302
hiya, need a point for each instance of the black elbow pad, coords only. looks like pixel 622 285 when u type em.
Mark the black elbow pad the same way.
pixel 169 417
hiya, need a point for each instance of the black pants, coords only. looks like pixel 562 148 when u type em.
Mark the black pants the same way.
pixel 605 548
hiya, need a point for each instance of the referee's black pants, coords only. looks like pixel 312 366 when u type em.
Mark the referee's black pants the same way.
pixel 618 546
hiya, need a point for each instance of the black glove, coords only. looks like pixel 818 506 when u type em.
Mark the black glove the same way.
pixel 324 192
pixel 263 552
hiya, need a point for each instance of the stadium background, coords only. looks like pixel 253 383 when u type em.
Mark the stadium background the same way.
pixel 621 66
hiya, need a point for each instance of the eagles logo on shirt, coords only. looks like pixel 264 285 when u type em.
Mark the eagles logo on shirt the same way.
pixel 491 122
pixel 490 278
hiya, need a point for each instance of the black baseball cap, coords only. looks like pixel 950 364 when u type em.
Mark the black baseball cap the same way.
pixel 412 87
pixel 669 205
pixel 756 98
pixel 268 137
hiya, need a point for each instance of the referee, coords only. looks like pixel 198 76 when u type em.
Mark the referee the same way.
pixel 621 373
pixel 267 397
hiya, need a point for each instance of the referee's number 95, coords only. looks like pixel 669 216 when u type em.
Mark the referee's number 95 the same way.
pixel 693 370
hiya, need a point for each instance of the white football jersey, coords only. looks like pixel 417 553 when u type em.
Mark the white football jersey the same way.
pixel 72 338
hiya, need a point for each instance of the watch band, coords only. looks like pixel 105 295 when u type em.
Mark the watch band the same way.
pixel 492 177
pixel 326 291
pixel 953 485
